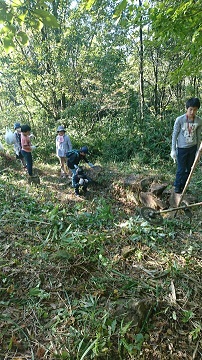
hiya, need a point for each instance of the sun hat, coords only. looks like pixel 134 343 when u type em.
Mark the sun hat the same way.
pixel 17 126
pixel 61 128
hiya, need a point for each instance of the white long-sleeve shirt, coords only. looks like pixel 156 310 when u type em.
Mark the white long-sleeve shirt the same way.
pixel 186 133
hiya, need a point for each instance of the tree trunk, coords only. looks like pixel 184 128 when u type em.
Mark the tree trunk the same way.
pixel 141 53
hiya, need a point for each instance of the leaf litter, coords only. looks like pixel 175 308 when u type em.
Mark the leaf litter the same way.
pixel 88 278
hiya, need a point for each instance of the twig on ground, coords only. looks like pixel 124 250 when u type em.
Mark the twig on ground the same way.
pixel 195 351
pixel 192 279
pixel 173 292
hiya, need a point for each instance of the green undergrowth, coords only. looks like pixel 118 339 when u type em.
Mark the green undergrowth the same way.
pixel 89 278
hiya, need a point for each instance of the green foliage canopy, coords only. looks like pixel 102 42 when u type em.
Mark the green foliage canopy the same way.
pixel 18 16
pixel 177 22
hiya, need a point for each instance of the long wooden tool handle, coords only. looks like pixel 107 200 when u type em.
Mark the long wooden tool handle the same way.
pixel 198 155
pixel 178 208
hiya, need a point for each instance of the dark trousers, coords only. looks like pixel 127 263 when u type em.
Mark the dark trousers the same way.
pixel 29 161
pixel 185 159
pixel 73 175
pixel 22 159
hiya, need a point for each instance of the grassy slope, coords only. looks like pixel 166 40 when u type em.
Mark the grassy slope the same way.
pixel 88 278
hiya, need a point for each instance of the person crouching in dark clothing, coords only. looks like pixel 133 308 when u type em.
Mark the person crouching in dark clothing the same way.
pixel 73 159
pixel 80 180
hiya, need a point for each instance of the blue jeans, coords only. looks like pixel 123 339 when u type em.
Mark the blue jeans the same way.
pixel 29 161
pixel 185 159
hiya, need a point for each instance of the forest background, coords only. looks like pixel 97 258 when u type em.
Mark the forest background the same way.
pixel 116 74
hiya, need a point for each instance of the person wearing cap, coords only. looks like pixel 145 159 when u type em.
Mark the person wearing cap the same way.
pixel 63 145
pixel 73 159
pixel 27 147
pixel 17 144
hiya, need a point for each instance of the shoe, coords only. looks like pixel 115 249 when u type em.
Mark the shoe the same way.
pixel 77 192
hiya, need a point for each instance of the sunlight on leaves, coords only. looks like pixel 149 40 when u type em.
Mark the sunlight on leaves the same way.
pixel 16 3
pixel 88 4
pixel 46 18
pixel 8 44
pixel 119 9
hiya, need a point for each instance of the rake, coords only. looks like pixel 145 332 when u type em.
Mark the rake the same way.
pixel 155 216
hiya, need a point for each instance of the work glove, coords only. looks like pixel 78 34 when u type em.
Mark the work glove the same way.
pixel 81 181
pixel 33 147
pixel 91 165
pixel 173 155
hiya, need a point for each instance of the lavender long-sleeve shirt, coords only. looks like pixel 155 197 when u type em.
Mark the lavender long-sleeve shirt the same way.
pixel 63 144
